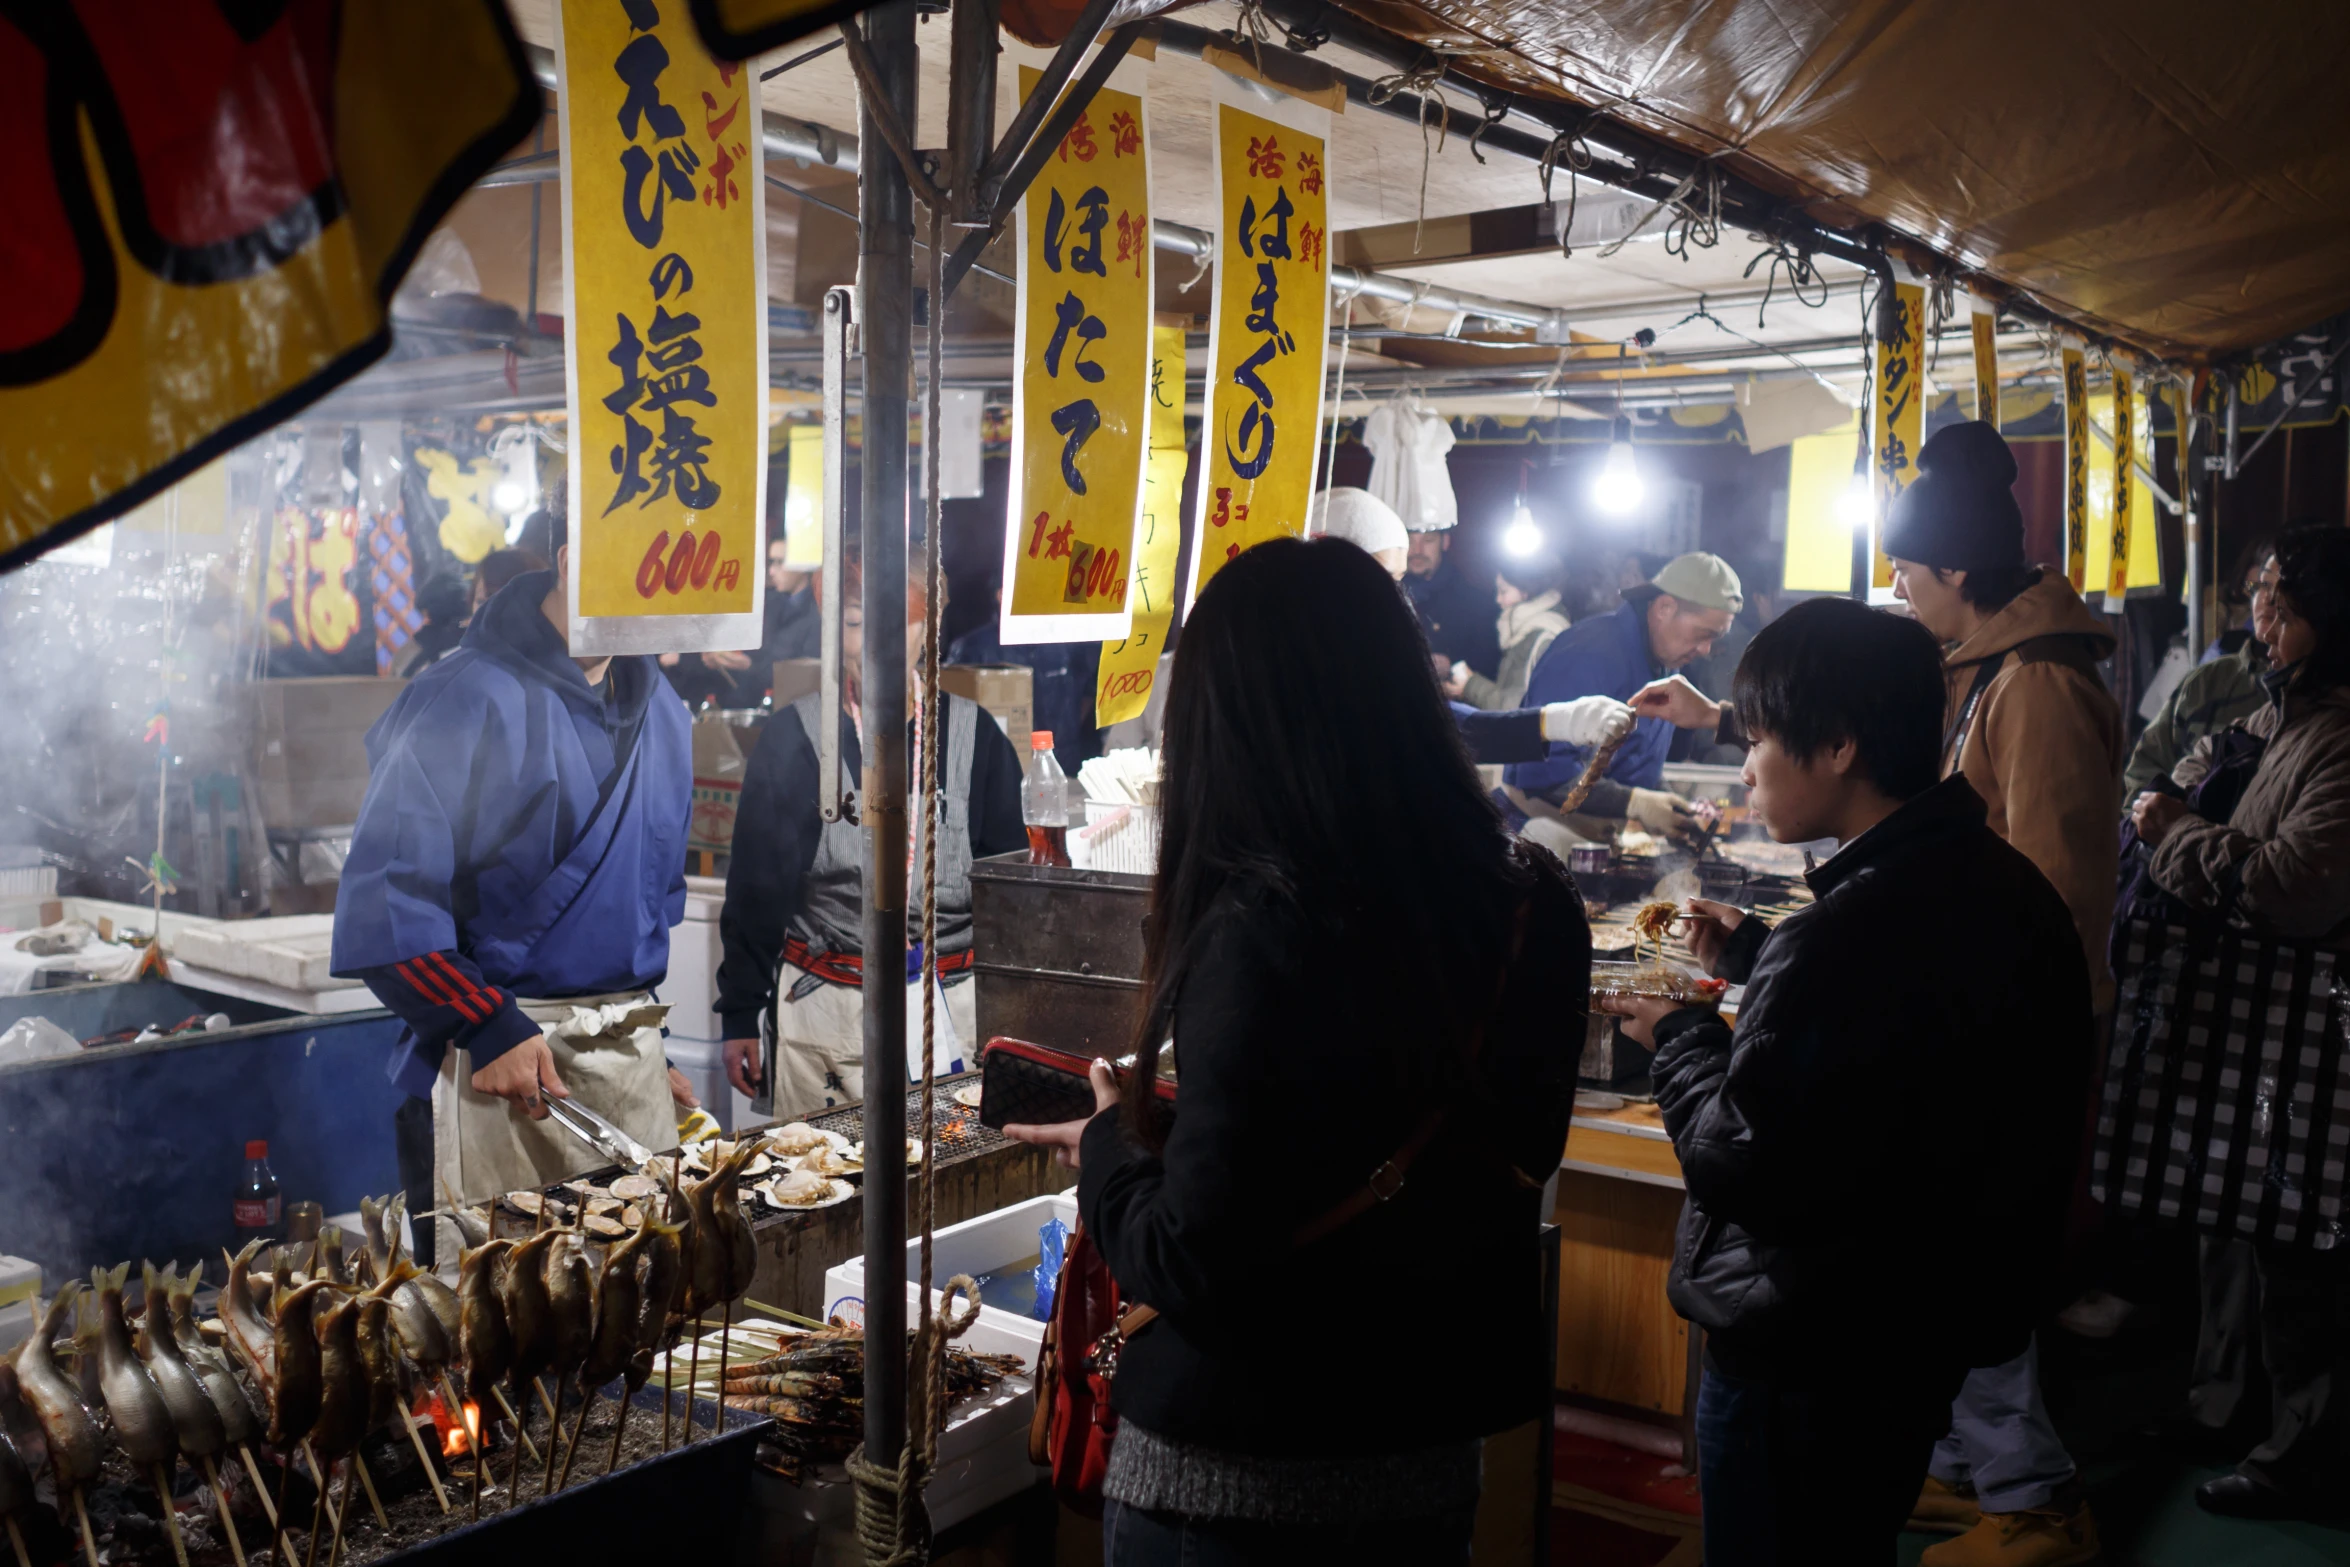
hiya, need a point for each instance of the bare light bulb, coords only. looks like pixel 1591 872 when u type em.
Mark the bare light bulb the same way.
pixel 1618 490
pixel 1521 537
pixel 1856 508
pixel 509 496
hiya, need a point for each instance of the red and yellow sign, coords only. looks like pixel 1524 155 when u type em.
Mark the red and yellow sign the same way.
pixel 1269 331
pixel 666 359
pixel 1900 413
pixel 1081 404
pixel 2076 468
pixel 202 237
pixel 1130 665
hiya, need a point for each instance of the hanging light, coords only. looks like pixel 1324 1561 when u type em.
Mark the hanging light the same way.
pixel 1618 490
pixel 1522 537
pixel 1856 508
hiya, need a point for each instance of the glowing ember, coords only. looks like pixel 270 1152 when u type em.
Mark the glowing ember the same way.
pixel 457 1434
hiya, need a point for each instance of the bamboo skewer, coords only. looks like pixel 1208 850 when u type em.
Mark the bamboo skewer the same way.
pixel 522 1436
pixel 619 1428
pixel 171 1516
pixel 431 1470
pixel 89 1540
pixel 317 1510
pixel 554 1441
pixel 245 1450
pixel 236 1544
pixel 693 1380
pixel 514 1473
pixel 335 1550
pixel 277 1517
pixel 24 1557
pixel 725 1333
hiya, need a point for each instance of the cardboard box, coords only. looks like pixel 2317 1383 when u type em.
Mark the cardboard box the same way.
pixel 718 783
pixel 1007 691
pixel 310 746
pixel 794 678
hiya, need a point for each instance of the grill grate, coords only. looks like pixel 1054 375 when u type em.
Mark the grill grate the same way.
pixel 957 1131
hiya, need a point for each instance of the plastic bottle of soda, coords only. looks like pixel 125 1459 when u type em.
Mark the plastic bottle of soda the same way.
pixel 1044 803
pixel 259 1212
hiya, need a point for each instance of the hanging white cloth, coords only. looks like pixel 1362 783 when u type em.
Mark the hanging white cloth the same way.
pixel 1407 443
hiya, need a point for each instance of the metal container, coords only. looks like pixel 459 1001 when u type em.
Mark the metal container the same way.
pixel 1057 953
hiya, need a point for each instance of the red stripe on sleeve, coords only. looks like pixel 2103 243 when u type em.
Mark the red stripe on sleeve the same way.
pixel 433 988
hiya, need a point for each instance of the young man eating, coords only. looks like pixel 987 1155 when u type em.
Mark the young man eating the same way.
pixel 1915 1042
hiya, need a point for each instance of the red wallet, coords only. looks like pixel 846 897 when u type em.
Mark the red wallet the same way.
pixel 1036 1085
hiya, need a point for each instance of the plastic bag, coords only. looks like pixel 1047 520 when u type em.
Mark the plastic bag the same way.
pixel 1052 1242
pixel 35 1039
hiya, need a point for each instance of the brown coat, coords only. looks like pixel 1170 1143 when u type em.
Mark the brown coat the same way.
pixel 2286 849
pixel 2043 747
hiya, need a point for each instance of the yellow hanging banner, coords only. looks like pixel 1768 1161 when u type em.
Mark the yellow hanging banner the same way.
pixel 666 360
pixel 1081 401
pixel 2125 447
pixel 1269 330
pixel 2131 524
pixel 2076 469
pixel 1986 334
pixel 1131 664
pixel 1900 412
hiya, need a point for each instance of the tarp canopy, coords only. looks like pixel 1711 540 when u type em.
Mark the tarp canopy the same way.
pixel 2169 173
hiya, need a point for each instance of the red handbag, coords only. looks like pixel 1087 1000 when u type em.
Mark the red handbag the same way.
pixel 1071 1429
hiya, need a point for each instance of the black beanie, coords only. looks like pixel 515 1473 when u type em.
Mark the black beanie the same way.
pixel 1960 513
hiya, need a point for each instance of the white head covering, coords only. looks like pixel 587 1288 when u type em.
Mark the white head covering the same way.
pixel 1359 517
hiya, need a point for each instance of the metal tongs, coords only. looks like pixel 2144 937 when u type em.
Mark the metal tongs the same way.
pixel 598 1133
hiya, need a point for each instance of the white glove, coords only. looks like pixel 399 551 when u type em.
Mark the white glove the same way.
pixel 1588 720
pixel 1661 811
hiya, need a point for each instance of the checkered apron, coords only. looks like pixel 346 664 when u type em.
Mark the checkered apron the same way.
pixel 2226 1102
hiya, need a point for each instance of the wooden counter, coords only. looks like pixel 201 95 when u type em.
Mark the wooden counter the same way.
pixel 1619 1198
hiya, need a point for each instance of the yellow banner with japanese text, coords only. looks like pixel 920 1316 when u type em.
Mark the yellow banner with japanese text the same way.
pixel 1900 413
pixel 2076 469
pixel 2132 524
pixel 1986 345
pixel 2117 580
pixel 666 359
pixel 1268 331
pixel 1129 666
pixel 1081 402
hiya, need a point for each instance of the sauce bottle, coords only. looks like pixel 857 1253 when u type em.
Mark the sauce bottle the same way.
pixel 258 1211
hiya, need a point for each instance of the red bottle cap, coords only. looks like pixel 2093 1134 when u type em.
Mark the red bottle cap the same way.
pixel 257 1149
pixel 1040 740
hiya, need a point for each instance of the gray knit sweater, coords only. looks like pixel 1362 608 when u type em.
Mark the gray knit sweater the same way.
pixel 1160 1474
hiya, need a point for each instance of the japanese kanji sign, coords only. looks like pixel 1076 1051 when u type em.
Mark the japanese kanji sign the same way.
pixel 2076 467
pixel 1899 422
pixel 1986 344
pixel 2125 446
pixel 1268 333
pixel 2120 520
pixel 208 210
pixel 1081 401
pixel 1130 664
pixel 666 359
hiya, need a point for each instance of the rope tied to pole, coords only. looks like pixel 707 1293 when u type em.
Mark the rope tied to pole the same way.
pixel 1426 79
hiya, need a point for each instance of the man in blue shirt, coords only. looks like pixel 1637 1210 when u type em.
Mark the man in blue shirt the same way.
pixel 518 861
pixel 1663 624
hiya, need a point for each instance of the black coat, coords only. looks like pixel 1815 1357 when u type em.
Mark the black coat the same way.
pixel 1459 618
pixel 1418 1323
pixel 1879 1160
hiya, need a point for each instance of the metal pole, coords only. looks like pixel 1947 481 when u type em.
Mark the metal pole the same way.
pixel 885 313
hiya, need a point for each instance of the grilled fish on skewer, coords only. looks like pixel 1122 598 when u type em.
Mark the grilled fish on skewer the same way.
pixel 238 1423
pixel 485 1343
pixel 372 1226
pixel 22 1452
pixel 248 1334
pixel 379 1359
pixel 424 1283
pixel 142 1421
pixel 194 1419
pixel 714 1211
pixel 343 1395
pixel 294 1400
pixel 330 1256
pixel 620 1296
pixel 522 1291
pixel 75 1448
pixel 414 1323
pixel 571 1299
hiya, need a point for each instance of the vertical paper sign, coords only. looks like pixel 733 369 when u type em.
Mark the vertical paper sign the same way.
pixel 2076 468
pixel 1986 340
pixel 1269 331
pixel 2125 448
pixel 1901 408
pixel 665 362
pixel 1081 400
pixel 1130 664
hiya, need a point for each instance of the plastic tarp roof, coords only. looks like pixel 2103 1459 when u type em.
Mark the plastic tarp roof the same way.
pixel 2172 173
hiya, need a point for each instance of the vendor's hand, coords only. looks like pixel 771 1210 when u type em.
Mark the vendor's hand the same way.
pixel 746 1065
pixel 1586 721
pixel 524 1076
pixel 727 660
pixel 1063 1136
pixel 1706 927
pixel 683 1091
pixel 1676 700
pixel 2154 815
pixel 1641 1014
pixel 1662 812
pixel 1455 681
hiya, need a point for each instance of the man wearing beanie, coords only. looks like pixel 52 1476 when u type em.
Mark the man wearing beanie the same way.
pixel 2029 722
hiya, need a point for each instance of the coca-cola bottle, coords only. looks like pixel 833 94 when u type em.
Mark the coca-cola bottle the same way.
pixel 259 1213
pixel 1044 803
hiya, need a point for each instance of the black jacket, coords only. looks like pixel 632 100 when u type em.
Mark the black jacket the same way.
pixel 776 826
pixel 1295 1037
pixel 1459 619
pixel 1881 1156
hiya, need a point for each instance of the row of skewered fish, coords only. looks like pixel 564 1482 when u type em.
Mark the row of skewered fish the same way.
pixel 320 1349
pixel 813 1387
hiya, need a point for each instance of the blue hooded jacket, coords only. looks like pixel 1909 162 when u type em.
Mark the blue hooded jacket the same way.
pixel 1606 655
pixel 523 833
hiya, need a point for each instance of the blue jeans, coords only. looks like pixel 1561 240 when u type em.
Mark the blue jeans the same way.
pixel 1814 1476
pixel 1134 1538
pixel 2001 1440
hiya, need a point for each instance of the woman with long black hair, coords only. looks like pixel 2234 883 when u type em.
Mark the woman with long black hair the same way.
pixel 2281 860
pixel 1377 1000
